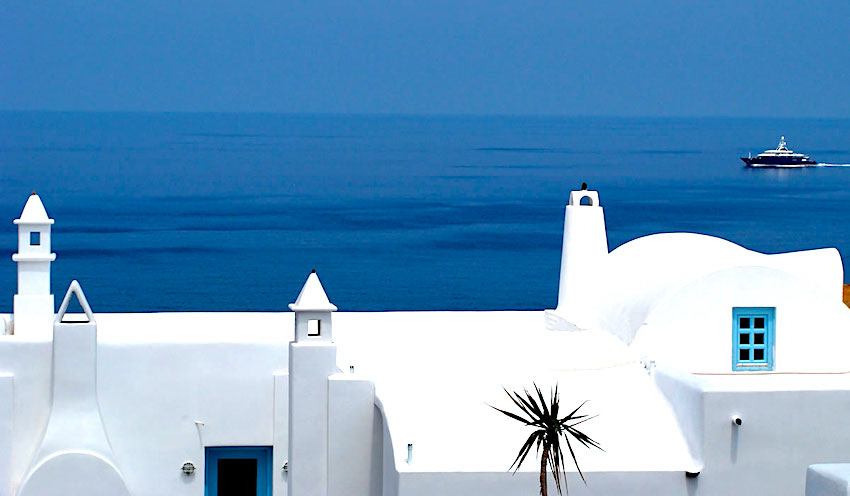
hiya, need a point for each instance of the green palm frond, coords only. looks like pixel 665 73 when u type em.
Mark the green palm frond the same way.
pixel 543 415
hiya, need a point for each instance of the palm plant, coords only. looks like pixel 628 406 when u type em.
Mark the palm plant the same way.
pixel 549 428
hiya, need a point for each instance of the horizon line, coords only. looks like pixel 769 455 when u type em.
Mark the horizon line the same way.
pixel 421 114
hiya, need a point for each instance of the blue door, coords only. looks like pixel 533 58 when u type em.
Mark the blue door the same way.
pixel 238 471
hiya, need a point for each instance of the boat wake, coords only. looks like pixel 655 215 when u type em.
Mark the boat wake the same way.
pixel 833 165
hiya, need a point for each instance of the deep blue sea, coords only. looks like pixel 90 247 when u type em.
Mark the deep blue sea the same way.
pixel 162 212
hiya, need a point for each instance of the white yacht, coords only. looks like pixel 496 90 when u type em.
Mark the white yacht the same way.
pixel 780 157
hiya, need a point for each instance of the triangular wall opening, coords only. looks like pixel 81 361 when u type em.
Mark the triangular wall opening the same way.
pixel 75 308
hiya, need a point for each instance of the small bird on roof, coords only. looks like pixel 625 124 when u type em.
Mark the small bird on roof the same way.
pixel 584 186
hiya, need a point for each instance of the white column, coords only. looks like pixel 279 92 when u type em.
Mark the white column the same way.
pixel 312 359
pixel 352 449
pixel 583 254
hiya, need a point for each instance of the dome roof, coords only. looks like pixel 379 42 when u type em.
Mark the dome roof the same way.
pixel 642 272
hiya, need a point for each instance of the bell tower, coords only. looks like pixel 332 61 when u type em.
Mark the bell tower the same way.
pixel 582 256
pixel 33 303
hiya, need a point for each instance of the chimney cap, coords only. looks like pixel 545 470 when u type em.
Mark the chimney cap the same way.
pixel 34 212
pixel 312 297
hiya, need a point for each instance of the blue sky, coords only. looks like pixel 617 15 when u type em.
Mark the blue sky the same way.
pixel 778 58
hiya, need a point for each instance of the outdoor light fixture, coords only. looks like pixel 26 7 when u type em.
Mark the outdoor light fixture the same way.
pixel 188 468
pixel 286 467
pixel 737 420
pixel 409 453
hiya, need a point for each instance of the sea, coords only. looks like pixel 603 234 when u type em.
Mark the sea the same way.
pixel 230 212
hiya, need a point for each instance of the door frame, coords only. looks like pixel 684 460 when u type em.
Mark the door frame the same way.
pixel 263 455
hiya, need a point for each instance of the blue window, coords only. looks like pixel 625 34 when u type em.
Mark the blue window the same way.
pixel 35 238
pixel 238 471
pixel 753 338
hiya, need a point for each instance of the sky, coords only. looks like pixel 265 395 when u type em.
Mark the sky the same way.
pixel 779 58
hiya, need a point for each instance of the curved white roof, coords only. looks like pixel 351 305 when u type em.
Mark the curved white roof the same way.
pixel 640 273
pixel 34 212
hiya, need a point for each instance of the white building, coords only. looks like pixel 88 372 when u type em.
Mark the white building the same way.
pixel 714 370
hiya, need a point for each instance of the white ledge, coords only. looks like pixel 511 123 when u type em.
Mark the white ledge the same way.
pixel 18 257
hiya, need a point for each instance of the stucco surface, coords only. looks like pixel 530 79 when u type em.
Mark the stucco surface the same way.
pixel 828 479
pixel 437 372
pixel 641 274
pixel 434 388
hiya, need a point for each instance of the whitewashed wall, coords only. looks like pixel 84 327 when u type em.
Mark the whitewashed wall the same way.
pixel 161 390
pixel 828 479
pixel 27 363
pixel 166 395
pixel 783 432
pixel 150 397
pixel 787 424
pixel 691 328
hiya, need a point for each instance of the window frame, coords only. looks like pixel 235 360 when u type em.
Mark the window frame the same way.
pixel 769 346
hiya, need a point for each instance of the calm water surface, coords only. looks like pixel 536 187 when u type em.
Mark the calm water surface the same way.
pixel 230 212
